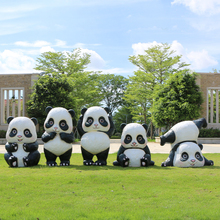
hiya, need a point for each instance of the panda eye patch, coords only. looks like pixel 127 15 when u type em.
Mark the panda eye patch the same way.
pixel 128 139
pixel 184 156
pixel 63 125
pixel 49 123
pixel 13 132
pixel 198 156
pixel 27 133
pixel 103 122
pixel 89 122
pixel 140 139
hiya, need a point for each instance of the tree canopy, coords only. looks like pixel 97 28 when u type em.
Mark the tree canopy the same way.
pixel 178 99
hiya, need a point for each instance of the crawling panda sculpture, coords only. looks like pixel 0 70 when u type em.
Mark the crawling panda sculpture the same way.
pixel 22 145
pixel 58 136
pixel 134 151
pixel 185 151
pixel 95 126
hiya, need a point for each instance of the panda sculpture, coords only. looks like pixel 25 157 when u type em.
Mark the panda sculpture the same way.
pixel 58 136
pixel 95 126
pixel 134 151
pixel 22 145
pixel 185 151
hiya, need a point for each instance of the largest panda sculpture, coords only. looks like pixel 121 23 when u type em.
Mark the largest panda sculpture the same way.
pixel 95 127
pixel 58 136
pixel 22 145
pixel 134 151
pixel 185 151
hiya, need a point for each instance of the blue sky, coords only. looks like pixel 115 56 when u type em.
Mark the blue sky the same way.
pixel 109 30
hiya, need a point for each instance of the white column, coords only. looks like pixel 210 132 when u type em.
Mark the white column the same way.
pixel 19 103
pixel 211 107
pixel 7 103
pixel 217 106
pixel 13 103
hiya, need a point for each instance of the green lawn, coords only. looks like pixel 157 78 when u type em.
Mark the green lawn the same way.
pixel 80 192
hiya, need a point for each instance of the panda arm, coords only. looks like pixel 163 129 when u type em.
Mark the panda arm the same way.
pixel 79 127
pixel 30 147
pixel 112 127
pixel 47 137
pixel 120 152
pixel 146 150
pixel 208 162
pixel 11 147
pixel 68 138
pixel 169 160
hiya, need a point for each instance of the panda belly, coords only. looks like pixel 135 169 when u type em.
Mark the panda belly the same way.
pixel 20 154
pixel 57 146
pixel 134 156
pixel 95 142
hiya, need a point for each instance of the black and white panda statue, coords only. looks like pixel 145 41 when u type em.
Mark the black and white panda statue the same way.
pixel 58 136
pixel 95 127
pixel 185 150
pixel 22 145
pixel 134 151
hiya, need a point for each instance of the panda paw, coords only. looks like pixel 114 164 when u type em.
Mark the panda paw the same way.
pixel 125 162
pixel 14 147
pixel 88 162
pixel 100 163
pixel 164 164
pixel 25 161
pixel 144 162
pixel 13 161
pixel 64 163
pixel 51 163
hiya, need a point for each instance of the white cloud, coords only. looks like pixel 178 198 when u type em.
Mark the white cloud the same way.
pixel 46 49
pixel 198 59
pixel 35 44
pixel 16 62
pixel 210 7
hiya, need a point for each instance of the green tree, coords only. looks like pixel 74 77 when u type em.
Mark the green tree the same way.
pixel 53 91
pixel 111 88
pixel 178 99
pixel 154 67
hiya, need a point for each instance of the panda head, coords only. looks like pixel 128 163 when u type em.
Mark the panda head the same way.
pixel 183 131
pixel 188 154
pixel 58 120
pixel 134 135
pixel 21 130
pixel 95 119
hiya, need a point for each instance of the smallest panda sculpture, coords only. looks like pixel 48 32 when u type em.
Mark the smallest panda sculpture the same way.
pixel 22 145
pixel 185 151
pixel 134 151
pixel 58 136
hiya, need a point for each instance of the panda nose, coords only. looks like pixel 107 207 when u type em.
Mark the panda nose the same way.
pixel 96 125
pixel 55 128
pixel 134 143
pixel 19 136
pixel 193 160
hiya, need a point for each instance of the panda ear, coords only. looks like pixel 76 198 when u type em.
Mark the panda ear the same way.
pixel 201 123
pixel 83 111
pixel 34 120
pixel 122 126
pixel 201 146
pixel 48 108
pixel 9 119
pixel 71 111
pixel 107 109
pixel 145 126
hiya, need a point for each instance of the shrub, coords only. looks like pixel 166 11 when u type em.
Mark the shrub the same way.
pixel 212 132
pixel 2 134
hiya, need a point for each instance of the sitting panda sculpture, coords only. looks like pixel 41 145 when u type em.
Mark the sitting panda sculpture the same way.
pixel 134 151
pixel 22 145
pixel 58 136
pixel 95 126
pixel 185 151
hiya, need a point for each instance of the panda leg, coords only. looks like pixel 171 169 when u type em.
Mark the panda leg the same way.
pixel 87 157
pixel 50 157
pixel 208 162
pixel 169 160
pixel 32 159
pixel 65 158
pixel 11 160
pixel 102 158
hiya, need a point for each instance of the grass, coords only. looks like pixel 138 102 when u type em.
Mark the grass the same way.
pixel 80 192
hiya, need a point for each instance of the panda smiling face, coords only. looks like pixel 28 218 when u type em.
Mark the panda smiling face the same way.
pixel 134 136
pixel 58 120
pixel 188 154
pixel 21 130
pixel 95 119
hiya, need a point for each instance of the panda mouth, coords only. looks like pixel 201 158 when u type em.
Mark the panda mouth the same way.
pixel 20 140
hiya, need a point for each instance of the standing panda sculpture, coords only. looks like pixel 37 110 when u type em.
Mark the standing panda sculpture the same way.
pixel 95 126
pixel 185 151
pixel 134 151
pixel 58 136
pixel 22 145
